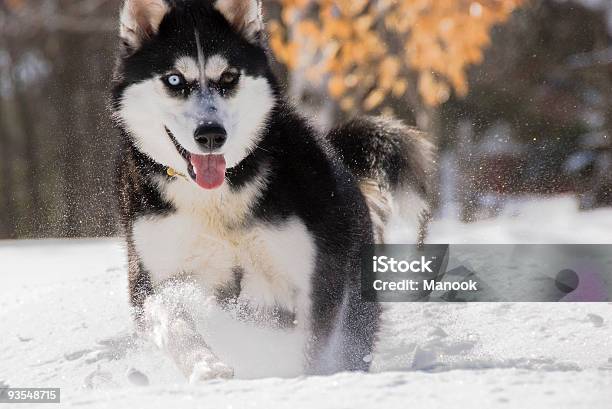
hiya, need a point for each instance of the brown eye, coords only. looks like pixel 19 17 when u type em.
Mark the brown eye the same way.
pixel 229 77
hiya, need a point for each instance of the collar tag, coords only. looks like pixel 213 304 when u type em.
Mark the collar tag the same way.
pixel 173 173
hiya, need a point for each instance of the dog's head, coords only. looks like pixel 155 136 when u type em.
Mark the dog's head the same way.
pixel 193 87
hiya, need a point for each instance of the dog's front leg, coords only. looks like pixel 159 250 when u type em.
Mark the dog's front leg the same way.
pixel 172 327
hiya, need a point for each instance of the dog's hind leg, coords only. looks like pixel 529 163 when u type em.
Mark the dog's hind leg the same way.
pixel 343 324
pixel 172 328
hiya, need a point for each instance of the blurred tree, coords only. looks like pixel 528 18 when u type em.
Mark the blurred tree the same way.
pixel 56 143
pixel 548 79
pixel 366 50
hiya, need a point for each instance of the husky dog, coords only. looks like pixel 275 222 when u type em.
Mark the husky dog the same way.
pixel 223 185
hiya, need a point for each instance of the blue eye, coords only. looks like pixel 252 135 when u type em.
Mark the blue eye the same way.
pixel 175 80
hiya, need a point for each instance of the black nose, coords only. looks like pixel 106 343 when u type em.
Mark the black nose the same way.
pixel 210 136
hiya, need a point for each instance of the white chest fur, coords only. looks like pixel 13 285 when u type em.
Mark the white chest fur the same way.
pixel 205 240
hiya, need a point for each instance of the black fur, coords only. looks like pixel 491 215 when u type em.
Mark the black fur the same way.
pixel 307 180
pixel 386 151
pixel 396 157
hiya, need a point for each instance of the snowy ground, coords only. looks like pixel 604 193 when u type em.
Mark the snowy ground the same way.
pixel 64 323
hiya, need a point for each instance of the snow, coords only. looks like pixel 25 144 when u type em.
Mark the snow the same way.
pixel 64 323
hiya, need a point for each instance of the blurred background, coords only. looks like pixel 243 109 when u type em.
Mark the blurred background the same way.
pixel 517 93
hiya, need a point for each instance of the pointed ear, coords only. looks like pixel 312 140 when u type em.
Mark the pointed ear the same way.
pixel 245 16
pixel 140 20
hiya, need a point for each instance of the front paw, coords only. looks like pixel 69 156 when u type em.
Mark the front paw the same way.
pixel 204 371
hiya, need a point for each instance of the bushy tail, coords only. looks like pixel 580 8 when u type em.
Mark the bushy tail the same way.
pixel 394 164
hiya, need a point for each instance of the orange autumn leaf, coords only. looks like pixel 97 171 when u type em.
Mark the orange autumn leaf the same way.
pixel 378 45
pixel 336 86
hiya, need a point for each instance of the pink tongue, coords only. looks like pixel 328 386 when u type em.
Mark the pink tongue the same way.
pixel 209 170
